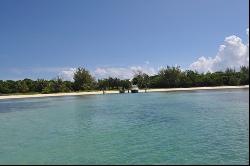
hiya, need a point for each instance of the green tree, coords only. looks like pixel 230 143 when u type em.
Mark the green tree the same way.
pixel 244 75
pixel 68 85
pixel 170 77
pixel 125 84
pixel 40 84
pixel 21 86
pixel 10 86
pixel 141 80
pixel 102 84
pixel 55 86
pixel 83 80
pixel 2 87
pixel 30 83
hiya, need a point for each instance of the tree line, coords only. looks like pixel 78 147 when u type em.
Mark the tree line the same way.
pixel 174 77
pixel 169 77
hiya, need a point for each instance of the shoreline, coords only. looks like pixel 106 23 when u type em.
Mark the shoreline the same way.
pixel 116 92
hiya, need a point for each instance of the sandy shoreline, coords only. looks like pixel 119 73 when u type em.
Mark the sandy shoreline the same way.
pixel 113 91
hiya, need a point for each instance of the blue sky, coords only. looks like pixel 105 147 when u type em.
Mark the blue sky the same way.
pixel 40 38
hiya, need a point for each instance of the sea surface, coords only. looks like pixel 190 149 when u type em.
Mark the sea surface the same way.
pixel 198 127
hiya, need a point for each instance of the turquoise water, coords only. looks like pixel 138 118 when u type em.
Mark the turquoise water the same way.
pixel 199 127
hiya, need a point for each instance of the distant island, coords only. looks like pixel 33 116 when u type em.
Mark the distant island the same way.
pixel 169 77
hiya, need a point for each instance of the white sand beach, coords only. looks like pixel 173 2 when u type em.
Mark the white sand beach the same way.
pixel 115 91
pixel 195 88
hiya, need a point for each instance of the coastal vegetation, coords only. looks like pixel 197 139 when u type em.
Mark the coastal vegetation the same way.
pixel 169 77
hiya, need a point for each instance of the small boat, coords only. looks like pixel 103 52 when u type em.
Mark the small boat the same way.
pixel 134 89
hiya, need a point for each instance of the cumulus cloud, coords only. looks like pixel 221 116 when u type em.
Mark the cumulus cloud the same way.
pixel 105 72
pixel 122 72
pixel 233 53
pixel 67 74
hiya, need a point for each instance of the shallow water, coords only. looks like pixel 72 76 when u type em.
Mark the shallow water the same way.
pixel 199 127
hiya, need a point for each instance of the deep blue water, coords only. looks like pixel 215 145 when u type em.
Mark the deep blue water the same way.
pixel 198 127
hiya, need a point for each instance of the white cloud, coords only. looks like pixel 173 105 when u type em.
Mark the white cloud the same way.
pixel 105 72
pixel 233 53
pixel 122 72
pixel 67 74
